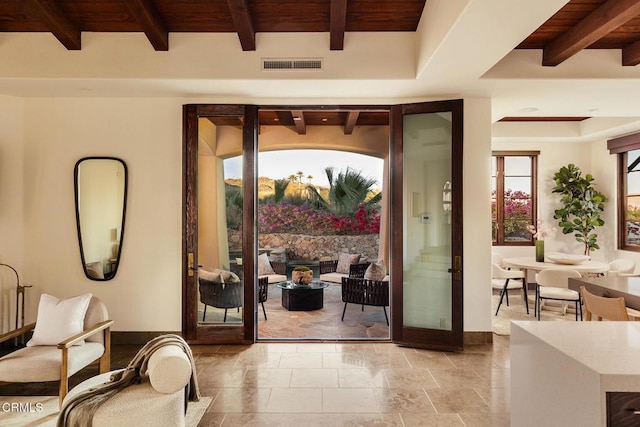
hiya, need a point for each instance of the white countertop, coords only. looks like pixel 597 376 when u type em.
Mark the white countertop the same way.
pixel 608 348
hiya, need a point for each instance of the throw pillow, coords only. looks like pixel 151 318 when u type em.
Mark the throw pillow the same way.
pixel 264 266
pixel 345 260
pixel 59 319
pixel 376 271
pixel 218 275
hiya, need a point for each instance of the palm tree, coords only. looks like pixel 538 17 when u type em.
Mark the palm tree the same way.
pixel 300 174
pixel 347 191
pixel 279 189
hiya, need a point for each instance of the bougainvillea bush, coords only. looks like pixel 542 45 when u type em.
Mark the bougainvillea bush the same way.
pixel 517 214
pixel 304 219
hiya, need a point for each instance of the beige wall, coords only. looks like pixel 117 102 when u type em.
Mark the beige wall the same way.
pixel 12 207
pixel 147 134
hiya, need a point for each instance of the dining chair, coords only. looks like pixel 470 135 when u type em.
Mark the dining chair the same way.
pixel 621 267
pixel 504 280
pixel 552 284
pixel 598 308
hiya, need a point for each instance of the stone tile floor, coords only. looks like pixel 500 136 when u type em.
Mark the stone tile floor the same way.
pixel 339 384
pixel 347 384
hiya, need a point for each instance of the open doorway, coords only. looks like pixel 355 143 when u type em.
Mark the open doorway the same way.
pixel 321 200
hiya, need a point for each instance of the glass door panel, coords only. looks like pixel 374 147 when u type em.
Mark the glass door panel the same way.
pixel 220 277
pixel 427 236
pixel 427 243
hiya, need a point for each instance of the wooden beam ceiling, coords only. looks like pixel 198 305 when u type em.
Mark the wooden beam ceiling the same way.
pixel 350 122
pixel 146 14
pixel 337 24
pixel 298 121
pixel 57 22
pixel 631 54
pixel 244 23
pixel 603 20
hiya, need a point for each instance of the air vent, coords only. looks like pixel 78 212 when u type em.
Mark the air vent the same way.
pixel 291 64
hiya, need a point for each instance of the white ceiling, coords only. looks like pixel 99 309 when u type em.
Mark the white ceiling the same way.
pixel 463 48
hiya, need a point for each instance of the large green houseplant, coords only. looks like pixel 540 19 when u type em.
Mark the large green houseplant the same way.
pixel 582 205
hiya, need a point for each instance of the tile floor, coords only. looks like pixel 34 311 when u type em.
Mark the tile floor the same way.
pixel 346 384
pixel 338 384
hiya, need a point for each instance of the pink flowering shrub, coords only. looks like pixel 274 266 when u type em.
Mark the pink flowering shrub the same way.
pixel 304 219
pixel 517 214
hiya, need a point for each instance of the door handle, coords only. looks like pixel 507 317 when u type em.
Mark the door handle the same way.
pixel 457 268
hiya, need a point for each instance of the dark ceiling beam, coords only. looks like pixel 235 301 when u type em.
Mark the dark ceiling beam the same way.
pixel 57 22
pixel 244 24
pixel 146 14
pixel 606 18
pixel 350 122
pixel 337 24
pixel 631 54
pixel 298 121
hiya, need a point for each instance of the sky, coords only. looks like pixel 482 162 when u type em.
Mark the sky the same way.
pixel 283 163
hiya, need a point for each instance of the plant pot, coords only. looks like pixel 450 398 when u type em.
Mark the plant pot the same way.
pixel 539 250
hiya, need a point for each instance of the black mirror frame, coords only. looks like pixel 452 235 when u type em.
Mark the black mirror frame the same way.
pixel 77 208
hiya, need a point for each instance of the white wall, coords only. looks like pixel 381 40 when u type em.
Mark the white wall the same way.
pixel 147 134
pixel 476 259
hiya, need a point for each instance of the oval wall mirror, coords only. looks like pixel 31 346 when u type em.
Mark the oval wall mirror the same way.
pixel 100 185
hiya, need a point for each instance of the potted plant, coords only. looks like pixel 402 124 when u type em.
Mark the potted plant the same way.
pixel 302 275
pixel 582 205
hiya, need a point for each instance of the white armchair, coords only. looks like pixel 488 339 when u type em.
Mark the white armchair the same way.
pixel 40 363
pixel 621 267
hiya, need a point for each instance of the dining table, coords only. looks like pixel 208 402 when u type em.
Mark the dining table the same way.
pixel 530 263
pixel 611 287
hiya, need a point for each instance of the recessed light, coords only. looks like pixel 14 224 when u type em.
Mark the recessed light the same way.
pixel 324 119
pixel 276 119
pixel 528 110
pixel 297 118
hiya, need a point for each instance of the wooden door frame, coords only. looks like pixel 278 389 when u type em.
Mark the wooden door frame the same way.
pixel 192 331
pixel 411 336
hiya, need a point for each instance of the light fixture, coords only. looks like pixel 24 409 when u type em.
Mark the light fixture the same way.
pixel 296 118
pixel 528 110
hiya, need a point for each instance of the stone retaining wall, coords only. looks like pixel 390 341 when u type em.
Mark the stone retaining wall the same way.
pixel 300 246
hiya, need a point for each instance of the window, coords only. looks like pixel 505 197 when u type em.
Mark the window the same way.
pixel 627 149
pixel 513 196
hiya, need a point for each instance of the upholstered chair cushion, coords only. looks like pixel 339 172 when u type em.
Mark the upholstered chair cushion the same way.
pixel 376 271
pixel 218 275
pixel 95 270
pixel 44 362
pixel 345 260
pixel 96 313
pixel 59 319
pixel 264 265
pixel 169 369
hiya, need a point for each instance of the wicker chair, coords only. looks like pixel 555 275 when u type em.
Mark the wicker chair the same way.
pixel 220 295
pixel 365 292
pixel 263 293
pixel 356 271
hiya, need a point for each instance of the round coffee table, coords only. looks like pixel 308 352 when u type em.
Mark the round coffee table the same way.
pixel 303 297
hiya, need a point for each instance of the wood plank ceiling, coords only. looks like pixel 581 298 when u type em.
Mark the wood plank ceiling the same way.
pixel 589 24
pixel 67 19
pixel 580 24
